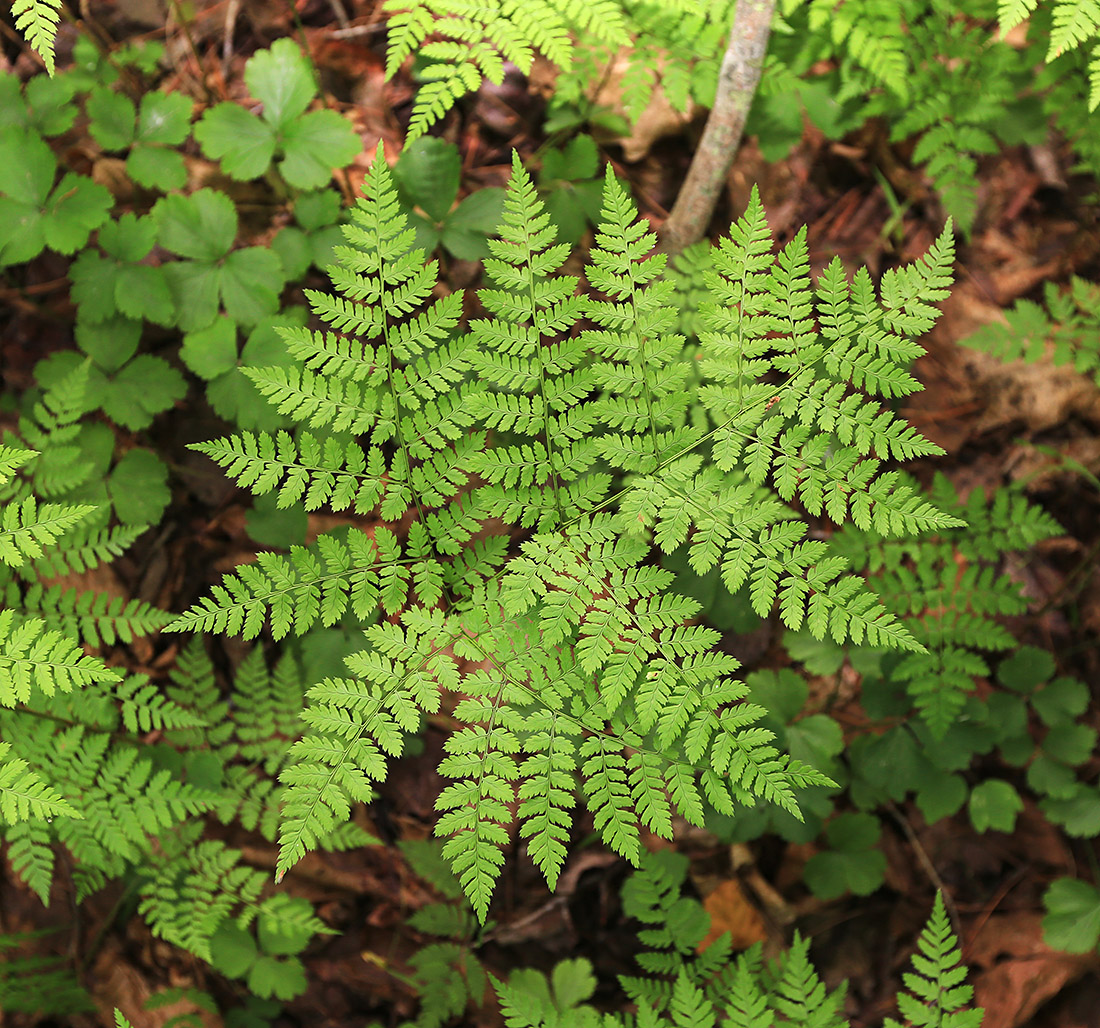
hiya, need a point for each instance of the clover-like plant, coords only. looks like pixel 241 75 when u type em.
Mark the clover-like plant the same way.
pixel 305 145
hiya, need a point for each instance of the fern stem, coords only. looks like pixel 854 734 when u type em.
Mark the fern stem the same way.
pixel 737 82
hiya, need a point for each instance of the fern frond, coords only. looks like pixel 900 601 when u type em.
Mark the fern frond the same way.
pixel 37 20
pixel 33 657
pixel 24 796
pixel 26 528
pixel 470 41
pixel 186 898
pixel 312 583
pixel 356 724
pixel 97 619
pixel 937 990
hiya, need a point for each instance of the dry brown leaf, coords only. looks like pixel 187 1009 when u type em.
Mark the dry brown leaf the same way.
pixel 732 911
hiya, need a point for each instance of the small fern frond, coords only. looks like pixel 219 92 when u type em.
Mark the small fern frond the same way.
pixel 937 990
pixel 26 528
pixel 37 20
pixel 314 583
pixel 33 657
pixel 24 796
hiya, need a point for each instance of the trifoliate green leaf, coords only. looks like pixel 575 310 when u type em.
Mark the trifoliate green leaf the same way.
pixel 573 982
pixel 294 250
pixel 310 145
pixel 782 693
pixel 111 342
pixel 270 525
pixel 818 656
pixel 466 227
pixel 851 864
pixel 286 924
pixel 1073 916
pixel 211 351
pixel 1028 667
pixel 940 794
pixel 313 145
pixel 232 951
pixel 143 388
pixel 45 106
pixel 251 281
pixel 578 159
pixel 1070 743
pixel 1078 813
pixel 138 487
pixel 1051 778
pixel 112 117
pixel 195 288
pixel 280 79
pixel 34 215
pixel 428 173
pixel 283 979
pixel 157 167
pixel 994 805
pixel 92 287
pixel 1061 701
pixel 142 291
pixel 246 282
pixel 317 209
pixel 130 238
pixel 201 226
pixel 243 143
pixel 164 118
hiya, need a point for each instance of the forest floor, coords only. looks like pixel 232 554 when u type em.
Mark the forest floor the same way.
pixel 999 424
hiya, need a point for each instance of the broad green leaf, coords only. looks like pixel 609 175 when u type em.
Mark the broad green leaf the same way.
pixel 142 291
pixel 138 487
pixel 201 226
pixel 243 143
pixel 466 227
pixel 283 979
pixel 93 287
pixel 1070 743
pixel 317 209
pixel 281 80
pixel 782 693
pixel 164 118
pixel 270 525
pixel 232 951
pixel 111 119
pixel 130 238
pixel 195 292
pixel 315 144
pixel 1061 701
pixel 144 387
pixel 1028 667
pixel 852 864
pixel 1073 916
pixel 940 795
pixel 428 173
pixel 1078 814
pixel 994 804
pixel 76 207
pixel 156 167
pixel 295 253
pixel 286 924
pixel 211 351
pixel 251 281
pixel 110 342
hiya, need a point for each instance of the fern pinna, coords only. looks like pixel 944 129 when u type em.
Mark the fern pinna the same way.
pixel 567 414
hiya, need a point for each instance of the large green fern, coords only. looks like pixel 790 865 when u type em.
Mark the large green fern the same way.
pixel 567 415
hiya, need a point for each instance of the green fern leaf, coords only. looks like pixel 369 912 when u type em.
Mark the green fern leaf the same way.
pixel 37 20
